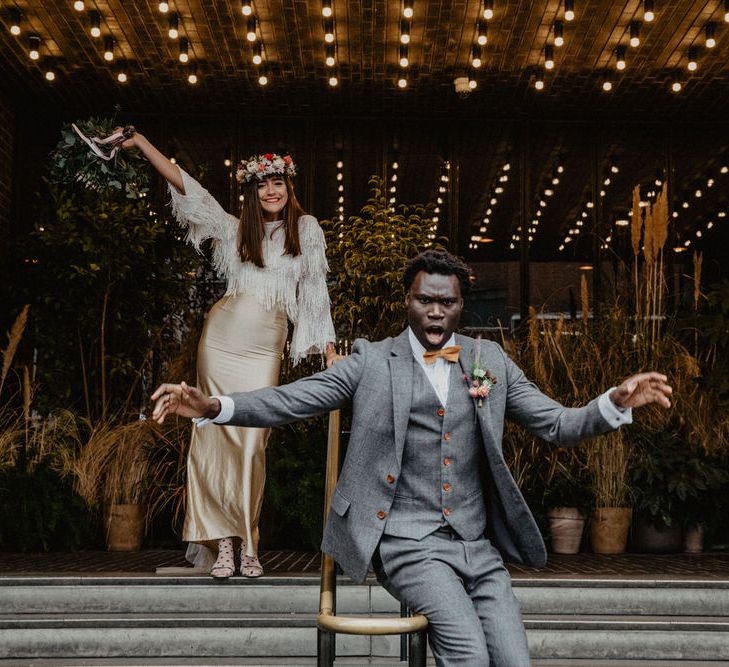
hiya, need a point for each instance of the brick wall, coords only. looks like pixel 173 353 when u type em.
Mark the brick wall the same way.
pixel 7 158
pixel 550 284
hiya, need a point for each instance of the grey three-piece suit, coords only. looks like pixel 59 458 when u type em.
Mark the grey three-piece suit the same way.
pixel 424 491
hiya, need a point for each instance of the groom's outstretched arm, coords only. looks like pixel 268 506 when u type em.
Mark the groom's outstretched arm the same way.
pixel 317 394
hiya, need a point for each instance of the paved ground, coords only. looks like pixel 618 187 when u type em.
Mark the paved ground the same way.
pixel 639 566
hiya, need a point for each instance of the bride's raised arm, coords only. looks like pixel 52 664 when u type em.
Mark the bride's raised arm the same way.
pixel 169 171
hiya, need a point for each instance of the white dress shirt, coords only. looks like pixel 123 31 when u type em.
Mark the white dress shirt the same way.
pixel 439 372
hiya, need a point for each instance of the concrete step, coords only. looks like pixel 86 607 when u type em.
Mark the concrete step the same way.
pixel 159 595
pixel 196 618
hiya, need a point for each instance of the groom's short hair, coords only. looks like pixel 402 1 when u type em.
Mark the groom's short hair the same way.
pixel 432 261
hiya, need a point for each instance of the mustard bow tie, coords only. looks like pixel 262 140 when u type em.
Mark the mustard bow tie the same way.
pixel 448 353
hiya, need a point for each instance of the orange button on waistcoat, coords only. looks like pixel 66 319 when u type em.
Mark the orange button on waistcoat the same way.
pixel 447 436
pixel 390 479
pixel 446 487
pixel 441 412
pixel 446 461
pixel 446 511
pixel 380 515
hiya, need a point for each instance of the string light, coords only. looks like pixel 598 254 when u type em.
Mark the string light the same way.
pixel 558 33
pixel 246 7
pixel 50 75
pixel 407 9
pixel 692 65
pixel 726 11
pixel 634 34
pixel 607 85
pixel 539 80
pixel 569 10
pixel 108 49
pixel 257 53
pixel 79 5
pixel 330 60
pixel 549 57
pixel 333 81
pixel 676 86
pixel 488 9
pixel 95 22
pixel 163 7
pixel 404 60
pixel 402 82
pixel 251 29
pixel 184 56
pixel 174 22
pixel 709 30
pixel 476 56
pixel 15 21
pixel 648 11
pixel 404 32
pixel 620 58
pixel 121 72
pixel 192 78
pixel 262 80
pixel 34 47
pixel 482 38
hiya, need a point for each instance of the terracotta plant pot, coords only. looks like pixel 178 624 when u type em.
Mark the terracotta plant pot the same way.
pixel 125 528
pixel 693 539
pixel 565 527
pixel 609 529
pixel 651 539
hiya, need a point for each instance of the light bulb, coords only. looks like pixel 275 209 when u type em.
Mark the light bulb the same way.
pixel 164 7
pixel 50 75
pixel 246 8
pixel 333 81
pixel 402 83
pixel 263 80
pixel 79 5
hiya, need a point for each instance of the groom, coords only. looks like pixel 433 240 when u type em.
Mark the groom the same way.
pixel 424 493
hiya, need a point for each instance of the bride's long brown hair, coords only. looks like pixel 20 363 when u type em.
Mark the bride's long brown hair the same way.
pixel 252 231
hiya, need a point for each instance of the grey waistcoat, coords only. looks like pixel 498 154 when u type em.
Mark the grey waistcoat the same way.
pixel 440 480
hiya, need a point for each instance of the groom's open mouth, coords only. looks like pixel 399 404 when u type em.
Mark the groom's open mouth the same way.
pixel 434 335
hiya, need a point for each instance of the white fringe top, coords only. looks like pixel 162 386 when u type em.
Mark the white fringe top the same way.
pixel 296 284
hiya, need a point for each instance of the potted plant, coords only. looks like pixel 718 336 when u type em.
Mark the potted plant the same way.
pixel 568 499
pixel 608 460
pixel 113 472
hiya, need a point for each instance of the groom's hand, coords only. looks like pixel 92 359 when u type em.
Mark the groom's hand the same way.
pixel 181 399
pixel 642 389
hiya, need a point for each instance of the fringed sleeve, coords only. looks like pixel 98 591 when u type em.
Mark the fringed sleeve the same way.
pixel 313 328
pixel 204 218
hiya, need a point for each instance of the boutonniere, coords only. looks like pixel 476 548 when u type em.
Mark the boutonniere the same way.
pixel 481 379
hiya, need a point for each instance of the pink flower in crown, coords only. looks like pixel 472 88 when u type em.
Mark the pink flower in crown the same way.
pixel 287 159
pixel 261 166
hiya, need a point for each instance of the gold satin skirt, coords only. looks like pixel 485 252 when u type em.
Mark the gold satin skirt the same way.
pixel 240 350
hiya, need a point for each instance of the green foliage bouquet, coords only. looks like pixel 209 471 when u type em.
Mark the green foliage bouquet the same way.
pixel 72 161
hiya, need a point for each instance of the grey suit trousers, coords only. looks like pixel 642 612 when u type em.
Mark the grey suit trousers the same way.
pixel 465 592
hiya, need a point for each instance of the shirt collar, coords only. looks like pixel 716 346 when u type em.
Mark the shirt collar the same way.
pixel 418 349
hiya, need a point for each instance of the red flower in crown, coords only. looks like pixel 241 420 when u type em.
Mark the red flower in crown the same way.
pixel 268 156
pixel 287 159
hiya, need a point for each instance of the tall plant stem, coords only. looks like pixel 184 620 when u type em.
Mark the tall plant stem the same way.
pixel 103 353
pixel 84 377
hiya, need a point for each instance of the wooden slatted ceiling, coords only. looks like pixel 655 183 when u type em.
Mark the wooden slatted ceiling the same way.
pixel 367 33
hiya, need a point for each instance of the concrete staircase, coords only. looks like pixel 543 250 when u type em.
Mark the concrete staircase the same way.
pixel 194 620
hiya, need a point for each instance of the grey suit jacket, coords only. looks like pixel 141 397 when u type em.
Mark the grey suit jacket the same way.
pixel 377 379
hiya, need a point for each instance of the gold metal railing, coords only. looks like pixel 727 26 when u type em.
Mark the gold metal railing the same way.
pixel 328 622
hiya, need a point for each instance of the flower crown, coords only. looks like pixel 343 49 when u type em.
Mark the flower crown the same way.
pixel 260 166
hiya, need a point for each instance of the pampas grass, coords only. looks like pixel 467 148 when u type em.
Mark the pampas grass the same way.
pixel 14 337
